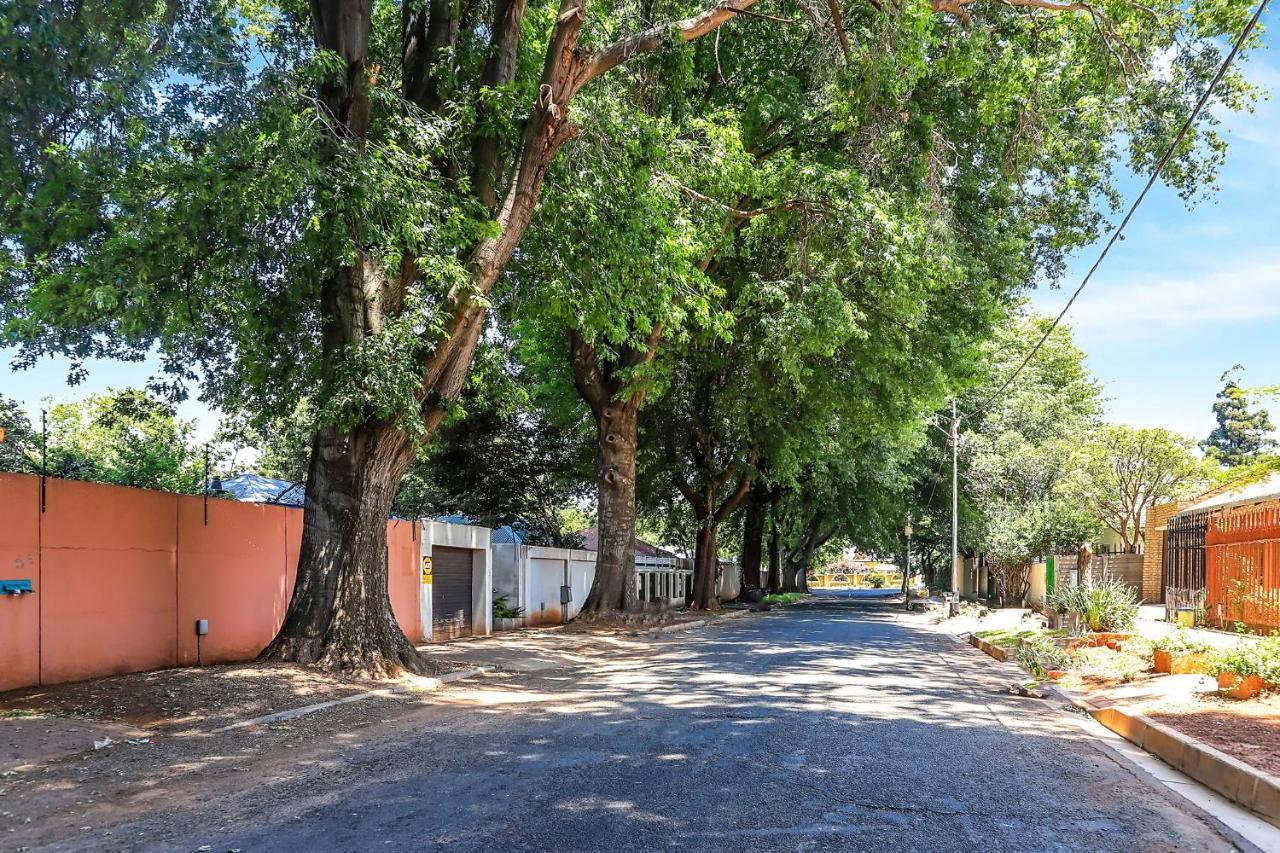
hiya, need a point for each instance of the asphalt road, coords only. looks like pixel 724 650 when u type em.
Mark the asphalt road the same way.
pixel 838 726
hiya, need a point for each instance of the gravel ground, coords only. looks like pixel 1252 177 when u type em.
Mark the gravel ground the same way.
pixel 840 725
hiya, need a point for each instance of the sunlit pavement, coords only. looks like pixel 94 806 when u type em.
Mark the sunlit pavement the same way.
pixel 841 725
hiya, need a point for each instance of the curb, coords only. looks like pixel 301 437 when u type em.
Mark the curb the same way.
pixel 1239 782
pixel 293 713
pixel 996 652
pixel 688 626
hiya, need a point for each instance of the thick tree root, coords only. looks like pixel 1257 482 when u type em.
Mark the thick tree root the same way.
pixel 361 659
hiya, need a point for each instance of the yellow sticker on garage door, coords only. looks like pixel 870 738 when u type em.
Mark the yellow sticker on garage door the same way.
pixel 426 569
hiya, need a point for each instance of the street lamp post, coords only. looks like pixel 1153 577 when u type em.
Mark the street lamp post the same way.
pixel 906 564
pixel 955 507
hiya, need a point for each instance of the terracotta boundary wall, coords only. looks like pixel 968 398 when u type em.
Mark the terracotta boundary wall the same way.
pixel 121 575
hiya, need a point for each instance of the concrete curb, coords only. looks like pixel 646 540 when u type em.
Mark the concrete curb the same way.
pixel 1239 782
pixel 688 626
pixel 293 713
pixel 997 652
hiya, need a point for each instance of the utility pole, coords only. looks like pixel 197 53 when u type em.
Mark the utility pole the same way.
pixel 906 564
pixel 955 503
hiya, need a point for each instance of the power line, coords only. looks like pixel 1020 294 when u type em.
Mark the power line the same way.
pixel 1115 235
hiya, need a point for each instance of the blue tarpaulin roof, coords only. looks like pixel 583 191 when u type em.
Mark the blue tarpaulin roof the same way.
pixel 262 490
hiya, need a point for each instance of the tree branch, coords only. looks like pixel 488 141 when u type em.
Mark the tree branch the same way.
pixel 838 23
pixel 651 39
pixel 736 213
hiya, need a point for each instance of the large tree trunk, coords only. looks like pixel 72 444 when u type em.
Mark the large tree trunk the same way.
pixel 616 409
pixel 756 511
pixel 792 568
pixel 614 586
pixel 706 563
pixel 774 583
pixel 340 614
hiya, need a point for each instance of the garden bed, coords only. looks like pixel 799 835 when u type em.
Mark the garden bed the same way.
pixel 1190 704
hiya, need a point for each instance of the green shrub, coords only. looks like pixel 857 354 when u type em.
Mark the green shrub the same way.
pixel 1180 643
pixel 1106 605
pixel 1261 658
pixel 1242 660
pixel 877 579
pixel 1041 654
pixel 503 610
pixel 782 598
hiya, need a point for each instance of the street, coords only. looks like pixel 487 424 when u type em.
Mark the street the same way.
pixel 843 724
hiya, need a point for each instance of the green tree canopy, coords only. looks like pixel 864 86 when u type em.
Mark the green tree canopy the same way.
pixel 1242 435
pixel 125 437
pixel 1125 471
pixel 1021 453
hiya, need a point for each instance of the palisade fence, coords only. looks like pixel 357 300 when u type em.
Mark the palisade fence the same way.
pixel 1184 563
pixel 1242 567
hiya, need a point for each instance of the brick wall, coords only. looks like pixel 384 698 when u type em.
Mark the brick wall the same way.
pixel 1153 553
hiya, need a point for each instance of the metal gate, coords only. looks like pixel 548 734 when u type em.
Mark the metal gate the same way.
pixel 451 593
pixel 1184 562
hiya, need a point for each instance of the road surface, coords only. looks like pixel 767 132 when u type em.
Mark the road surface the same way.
pixel 841 725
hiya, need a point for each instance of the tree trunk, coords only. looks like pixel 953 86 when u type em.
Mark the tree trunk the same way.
pixel 1084 563
pixel 789 576
pixel 340 614
pixel 614 586
pixel 705 564
pixel 753 537
pixel 616 409
pixel 774 583
pixel 906 569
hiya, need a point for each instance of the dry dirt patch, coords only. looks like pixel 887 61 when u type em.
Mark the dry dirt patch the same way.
pixel 1249 730
pixel 188 697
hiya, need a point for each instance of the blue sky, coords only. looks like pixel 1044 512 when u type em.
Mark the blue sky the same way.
pixel 1185 296
pixel 1190 292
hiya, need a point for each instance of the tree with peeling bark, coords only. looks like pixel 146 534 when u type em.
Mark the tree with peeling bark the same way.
pixel 284 202
pixel 354 204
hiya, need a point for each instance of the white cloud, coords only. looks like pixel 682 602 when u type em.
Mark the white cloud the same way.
pixel 1244 291
pixel 1262 125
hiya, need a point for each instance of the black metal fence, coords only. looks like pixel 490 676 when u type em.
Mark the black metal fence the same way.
pixel 1184 561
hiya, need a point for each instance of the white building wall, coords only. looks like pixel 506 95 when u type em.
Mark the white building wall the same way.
pixel 530 576
pixel 477 540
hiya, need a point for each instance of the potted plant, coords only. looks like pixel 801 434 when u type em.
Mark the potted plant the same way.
pixel 1237 672
pixel 1178 654
pixel 1105 609
pixel 505 617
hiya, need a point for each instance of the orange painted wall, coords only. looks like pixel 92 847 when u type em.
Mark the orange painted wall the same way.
pixel 121 576
pixel 20 560
pixel 233 573
pixel 109 580
pixel 403 578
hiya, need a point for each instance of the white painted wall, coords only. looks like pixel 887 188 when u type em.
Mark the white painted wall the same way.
pixel 530 576
pixel 477 540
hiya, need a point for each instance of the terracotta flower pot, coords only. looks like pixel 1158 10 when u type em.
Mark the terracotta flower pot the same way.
pixel 1235 686
pixel 1097 640
pixel 1189 663
pixel 1162 660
